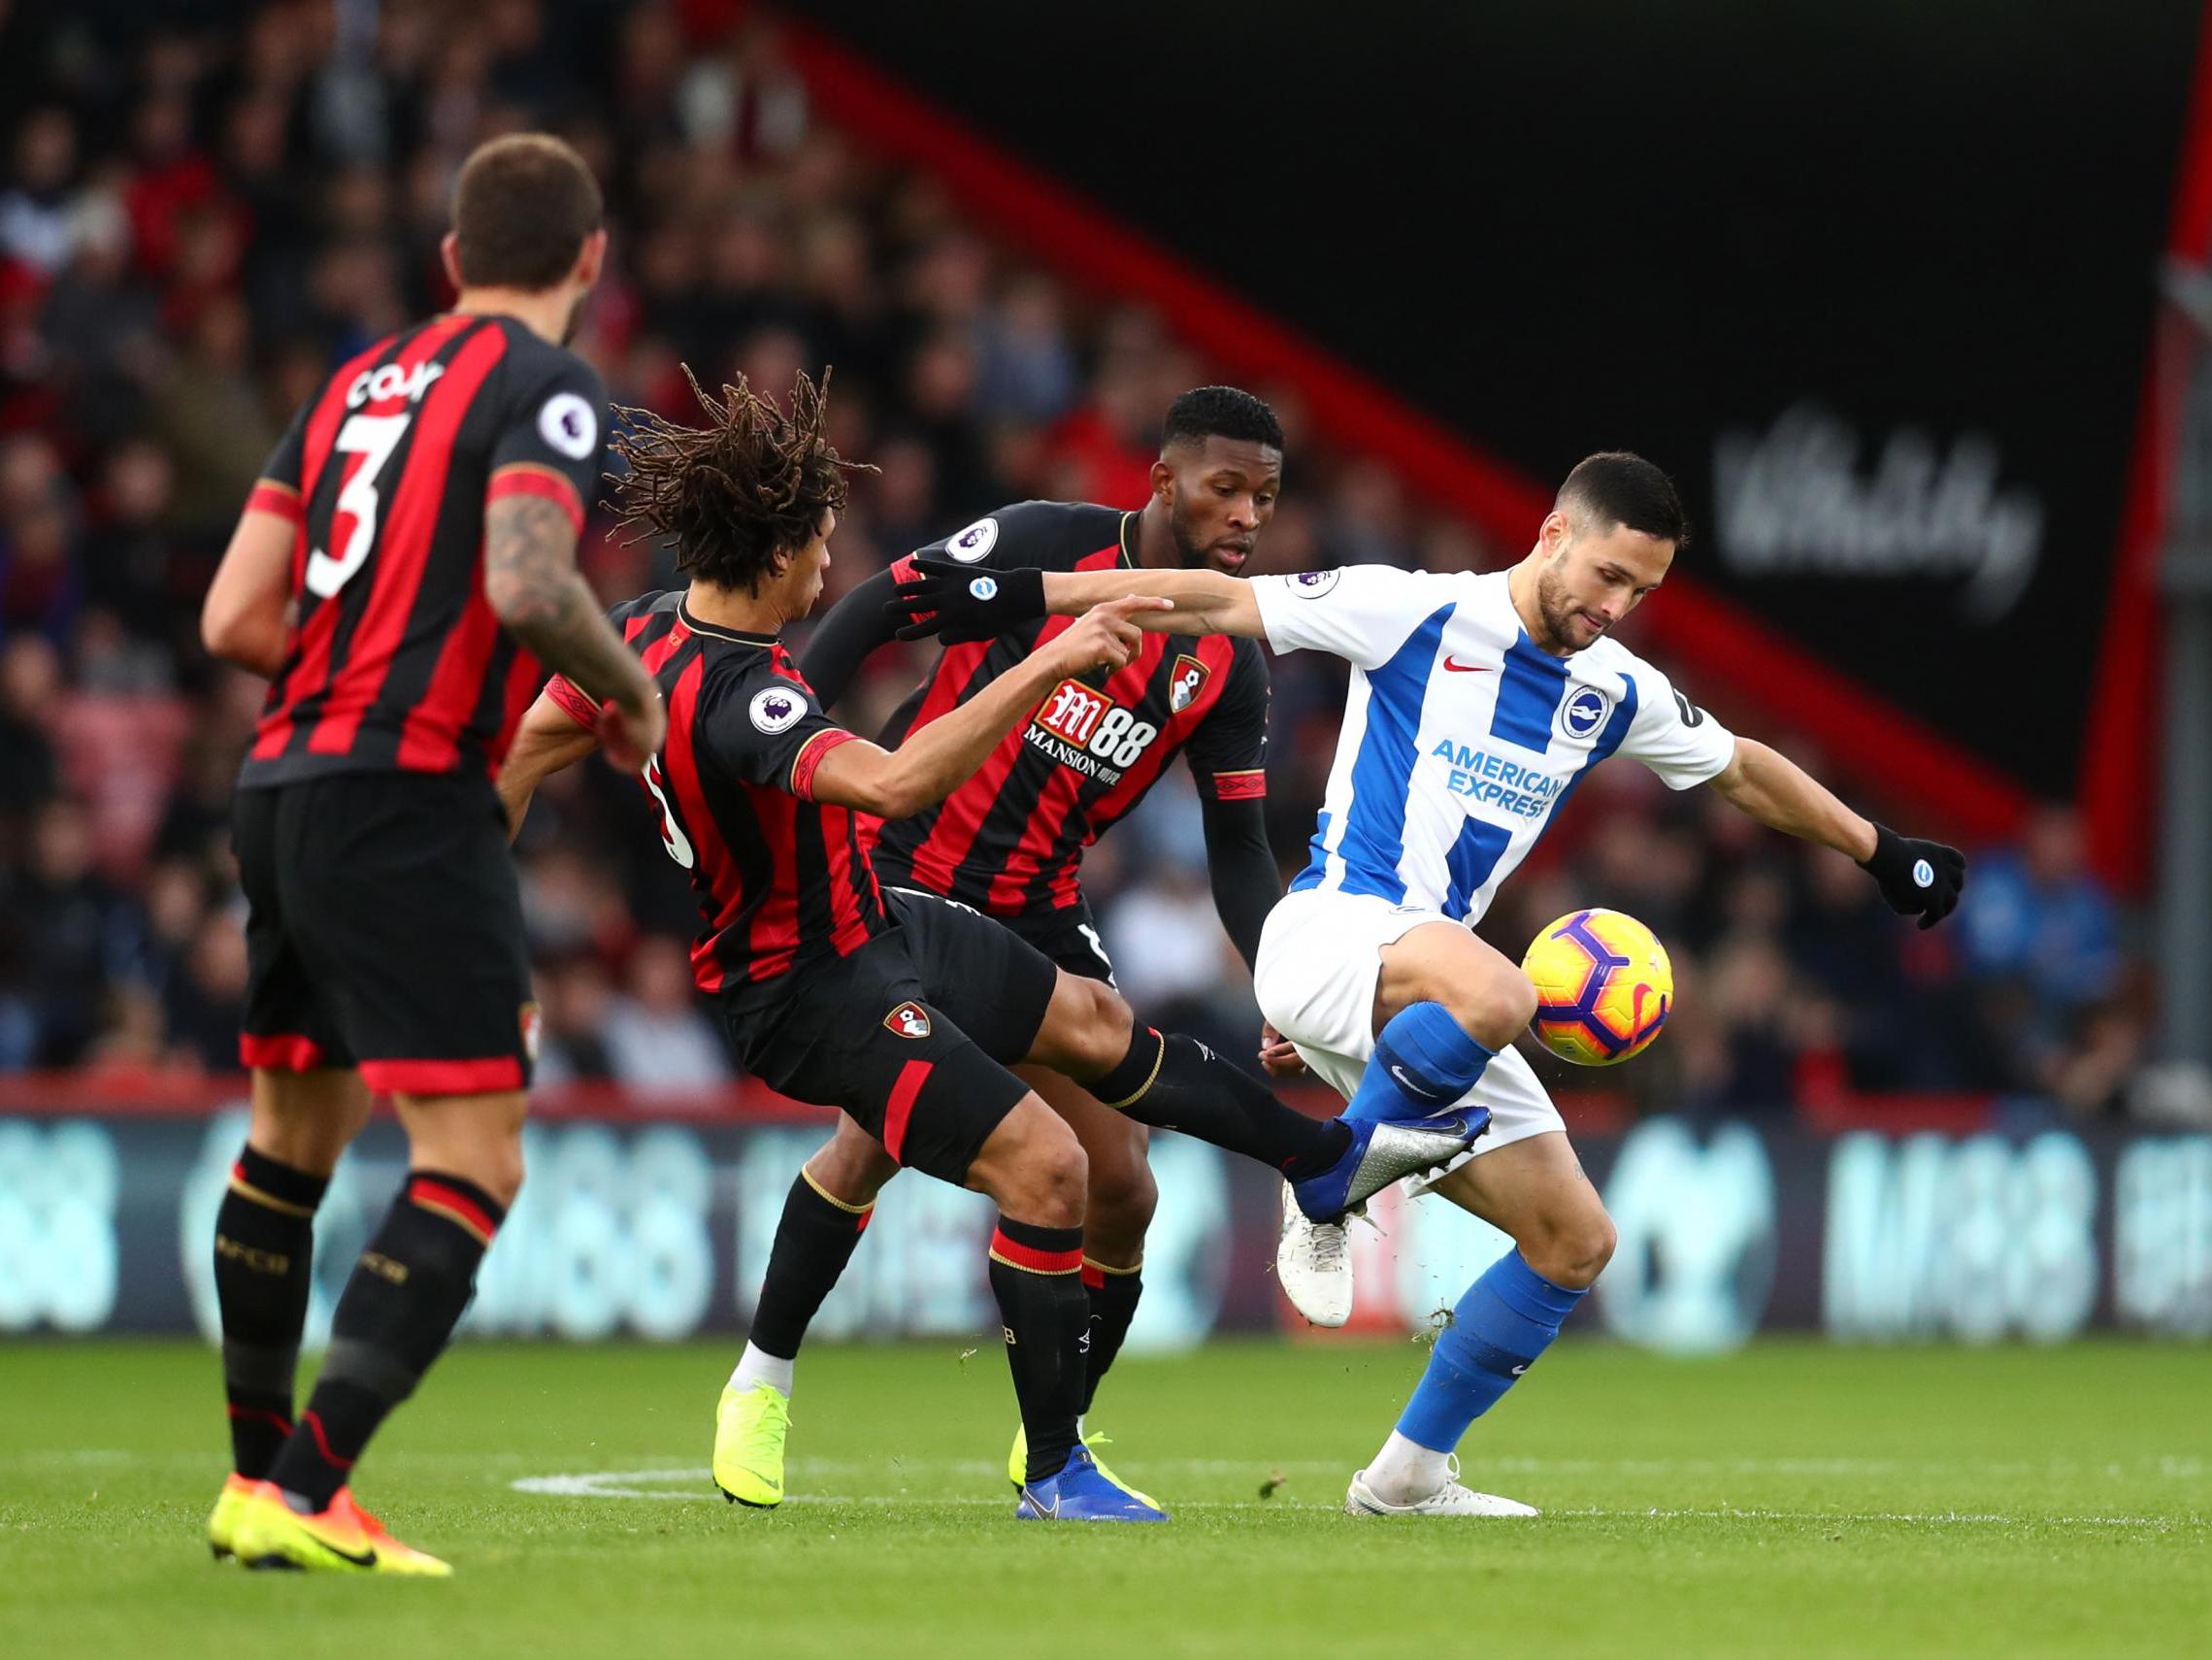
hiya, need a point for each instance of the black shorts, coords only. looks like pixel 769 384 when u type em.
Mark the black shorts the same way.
pixel 1068 936
pixel 384 932
pixel 912 1035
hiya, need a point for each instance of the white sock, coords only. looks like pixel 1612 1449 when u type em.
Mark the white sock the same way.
pixel 1404 1471
pixel 754 1367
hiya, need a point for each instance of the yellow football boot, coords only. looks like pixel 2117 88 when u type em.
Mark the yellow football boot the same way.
pixel 222 1525
pixel 342 1538
pixel 751 1428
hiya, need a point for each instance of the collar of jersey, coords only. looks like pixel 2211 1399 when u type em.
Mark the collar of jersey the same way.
pixel 735 636
pixel 1128 554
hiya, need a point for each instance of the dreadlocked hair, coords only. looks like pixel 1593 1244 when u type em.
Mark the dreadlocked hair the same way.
pixel 740 495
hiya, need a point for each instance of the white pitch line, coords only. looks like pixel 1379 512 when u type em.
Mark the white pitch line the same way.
pixel 626 1484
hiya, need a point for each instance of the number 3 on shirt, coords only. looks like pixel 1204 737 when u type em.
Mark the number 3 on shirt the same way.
pixel 373 437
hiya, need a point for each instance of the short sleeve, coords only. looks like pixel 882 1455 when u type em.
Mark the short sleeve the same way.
pixel 1672 736
pixel 1362 613
pixel 769 730
pixel 1228 753
pixel 551 439
pixel 1044 536
pixel 574 704
pixel 276 489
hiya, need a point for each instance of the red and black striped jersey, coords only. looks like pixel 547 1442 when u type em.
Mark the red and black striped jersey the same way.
pixel 782 879
pixel 1010 840
pixel 395 661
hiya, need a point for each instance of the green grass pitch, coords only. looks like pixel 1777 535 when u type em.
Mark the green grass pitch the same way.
pixel 1795 1500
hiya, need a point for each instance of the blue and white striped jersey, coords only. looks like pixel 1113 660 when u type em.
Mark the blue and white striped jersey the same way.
pixel 1461 738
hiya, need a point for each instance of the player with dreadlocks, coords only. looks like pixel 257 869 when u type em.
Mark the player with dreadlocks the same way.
pixel 903 1009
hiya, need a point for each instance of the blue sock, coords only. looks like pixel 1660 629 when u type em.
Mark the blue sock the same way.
pixel 1422 1064
pixel 1504 1321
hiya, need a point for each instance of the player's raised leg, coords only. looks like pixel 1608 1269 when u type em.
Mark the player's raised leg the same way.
pixel 1169 1081
pixel 824 1215
pixel 264 1255
pixel 1534 1191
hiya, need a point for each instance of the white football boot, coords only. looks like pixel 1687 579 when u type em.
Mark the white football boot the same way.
pixel 1449 1500
pixel 1314 1263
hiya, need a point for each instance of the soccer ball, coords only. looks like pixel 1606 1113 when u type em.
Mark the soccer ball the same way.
pixel 1604 986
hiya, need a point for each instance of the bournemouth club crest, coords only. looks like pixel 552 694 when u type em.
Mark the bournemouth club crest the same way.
pixel 1188 682
pixel 909 1020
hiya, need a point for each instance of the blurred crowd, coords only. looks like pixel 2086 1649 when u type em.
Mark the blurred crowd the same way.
pixel 202 212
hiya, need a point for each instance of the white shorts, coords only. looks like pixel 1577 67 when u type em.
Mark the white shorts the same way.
pixel 1320 956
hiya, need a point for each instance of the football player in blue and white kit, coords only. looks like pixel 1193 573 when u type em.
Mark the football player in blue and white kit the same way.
pixel 1476 705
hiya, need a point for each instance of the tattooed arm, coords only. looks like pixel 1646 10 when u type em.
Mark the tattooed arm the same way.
pixel 532 582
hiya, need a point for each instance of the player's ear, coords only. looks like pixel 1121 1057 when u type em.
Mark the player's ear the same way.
pixel 1557 531
pixel 1163 480
pixel 590 258
pixel 450 256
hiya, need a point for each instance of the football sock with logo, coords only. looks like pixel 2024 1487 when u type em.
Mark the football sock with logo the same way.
pixel 1036 1276
pixel 1504 1321
pixel 1423 1063
pixel 264 1254
pixel 400 1305
pixel 1114 1294
pixel 1175 1083
pixel 814 1239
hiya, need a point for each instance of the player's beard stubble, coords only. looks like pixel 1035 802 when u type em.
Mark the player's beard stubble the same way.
pixel 1557 609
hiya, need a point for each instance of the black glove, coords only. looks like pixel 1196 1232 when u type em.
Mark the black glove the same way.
pixel 1917 879
pixel 959 602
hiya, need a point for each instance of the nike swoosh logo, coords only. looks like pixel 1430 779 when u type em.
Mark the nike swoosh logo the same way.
pixel 1518 1369
pixel 1399 1072
pixel 360 1559
pixel 1467 668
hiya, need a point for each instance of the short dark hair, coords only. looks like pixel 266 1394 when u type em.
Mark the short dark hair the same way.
pixel 752 484
pixel 1221 411
pixel 522 208
pixel 1615 487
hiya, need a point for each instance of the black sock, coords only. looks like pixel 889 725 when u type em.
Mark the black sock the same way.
pixel 1036 1276
pixel 1177 1084
pixel 264 1251
pixel 1113 1293
pixel 399 1307
pixel 815 1240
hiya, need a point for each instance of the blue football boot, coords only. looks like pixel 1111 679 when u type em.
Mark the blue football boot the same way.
pixel 1081 1493
pixel 1385 1152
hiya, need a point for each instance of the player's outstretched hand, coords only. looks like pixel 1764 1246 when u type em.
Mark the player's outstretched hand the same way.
pixel 1278 1055
pixel 1104 637
pixel 959 602
pixel 1917 879
pixel 629 738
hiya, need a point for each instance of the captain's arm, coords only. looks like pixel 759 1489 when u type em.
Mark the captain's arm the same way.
pixel 1204 602
pixel 935 761
pixel 1767 785
pixel 558 731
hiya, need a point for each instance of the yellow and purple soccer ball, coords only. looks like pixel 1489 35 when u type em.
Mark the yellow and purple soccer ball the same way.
pixel 1604 986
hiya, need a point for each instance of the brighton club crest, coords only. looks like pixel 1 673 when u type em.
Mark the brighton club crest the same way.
pixel 1188 681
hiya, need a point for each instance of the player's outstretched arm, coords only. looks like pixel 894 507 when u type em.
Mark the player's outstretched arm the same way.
pixel 532 583
pixel 934 762
pixel 1917 878
pixel 246 617
pixel 957 602
pixel 552 737
pixel 856 627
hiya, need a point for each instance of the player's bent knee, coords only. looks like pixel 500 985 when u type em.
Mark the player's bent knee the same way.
pixel 1034 1167
pixel 1497 1008
pixel 1122 1199
pixel 1572 1251
pixel 852 1166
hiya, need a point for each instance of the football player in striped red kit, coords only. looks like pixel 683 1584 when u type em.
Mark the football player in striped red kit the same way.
pixel 1010 840
pixel 900 1008
pixel 401 571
